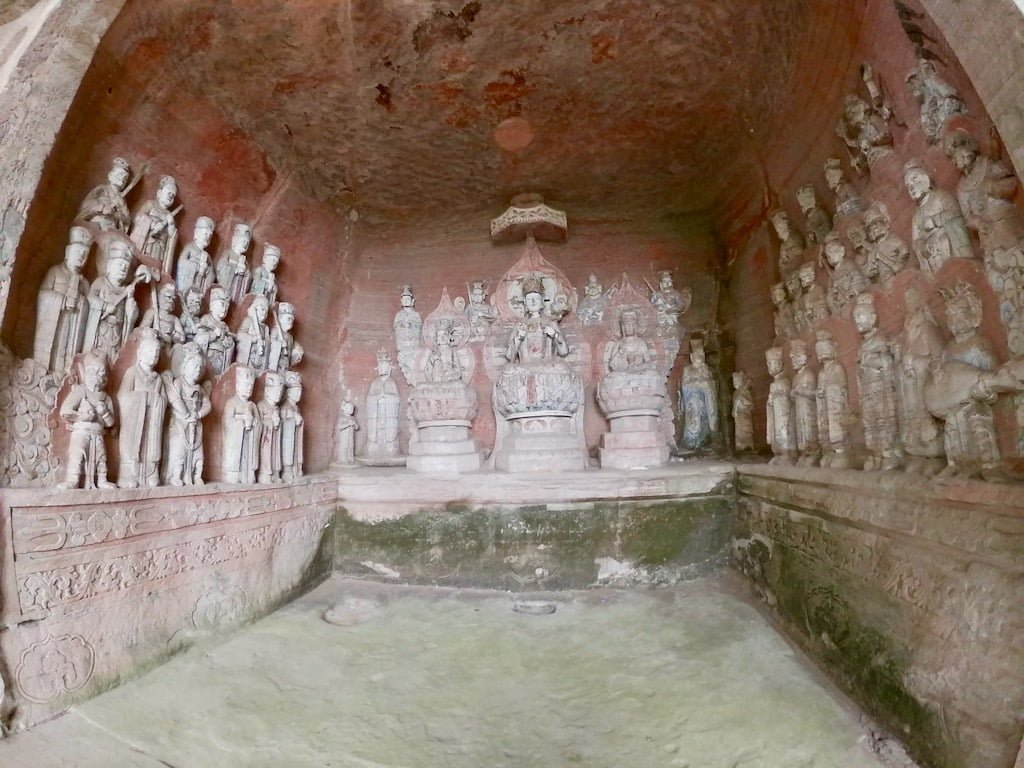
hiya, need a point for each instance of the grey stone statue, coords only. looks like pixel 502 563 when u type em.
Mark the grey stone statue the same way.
pixel 780 428
pixel 876 379
pixel 939 232
pixel 805 405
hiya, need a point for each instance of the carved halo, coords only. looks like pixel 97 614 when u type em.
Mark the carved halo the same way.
pixel 508 293
pixel 448 314
pixel 626 298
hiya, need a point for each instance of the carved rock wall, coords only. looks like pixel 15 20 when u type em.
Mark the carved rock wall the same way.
pixel 93 592
pixel 906 591
pixel 430 260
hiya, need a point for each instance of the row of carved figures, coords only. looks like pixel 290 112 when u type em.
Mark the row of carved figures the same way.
pixel 159 416
pixel 925 404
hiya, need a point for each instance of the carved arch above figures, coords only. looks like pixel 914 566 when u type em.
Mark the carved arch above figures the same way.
pixel 508 293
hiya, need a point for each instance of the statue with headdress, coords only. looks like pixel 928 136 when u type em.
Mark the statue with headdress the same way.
pixel 189 401
pixel 105 205
pixel 383 411
pixel 292 429
pixel 154 231
pixel 112 307
pixel 142 403
pixel 87 411
pixel 62 308
pixel 407 327
pixel 698 400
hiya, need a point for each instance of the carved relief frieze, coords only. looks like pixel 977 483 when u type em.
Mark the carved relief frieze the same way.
pixel 219 607
pixel 54 667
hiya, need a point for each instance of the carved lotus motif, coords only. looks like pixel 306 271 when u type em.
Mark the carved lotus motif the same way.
pixel 631 391
pixel 529 389
pixel 448 401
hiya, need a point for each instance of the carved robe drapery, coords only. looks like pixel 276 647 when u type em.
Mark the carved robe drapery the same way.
pixel 142 402
pixel 62 310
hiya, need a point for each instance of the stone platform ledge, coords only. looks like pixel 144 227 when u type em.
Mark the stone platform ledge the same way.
pixel 371 494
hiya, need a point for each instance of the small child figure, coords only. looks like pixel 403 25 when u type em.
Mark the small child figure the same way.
pixel 87 411
pixel 345 436
pixel 291 428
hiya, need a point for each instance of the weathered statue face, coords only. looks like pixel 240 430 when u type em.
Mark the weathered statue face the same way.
pixel 864 318
pixel 192 369
pixel 476 296
pixel 118 178
pixel 877 228
pixel 294 393
pixel 442 337
pixel 193 302
pixel 286 320
pixel 273 389
pixel 408 300
pixel 166 194
pixel 95 377
pixel 918 184
pixel 271 258
pixel 963 157
pixel 774 365
pixel 241 238
pixel 666 283
pixel 75 255
pixel 807 275
pixel 835 253
pixel 737 380
pixel 857 235
pixel 534 303
pixel 793 287
pixel 244 381
pixel 167 297
pixel 856 112
pixel 697 357
pixel 118 264
pixel 805 198
pixel 825 351
pixel 778 294
pixel 149 354
pixel 961 318
pixel 383 368
pixel 260 309
pixel 798 357
pixel 833 178
pixel 348 408
pixel 219 307
pixel 202 237
pixel 781 224
pixel 593 288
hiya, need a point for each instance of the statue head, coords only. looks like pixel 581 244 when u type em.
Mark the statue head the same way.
pixel 779 294
pixel 219 302
pixel 961 148
pixel 407 299
pixel 916 180
pixel 119 174
pixel 915 85
pixel 773 357
pixel 793 286
pixel 477 292
pixel 285 315
pixel 697 352
pixel 119 261
pixel 166 297
pixel 533 294
pixel 271 257
pixel 855 110
pixel 192 364
pixel 383 362
pixel 876 221
pixel 806 199
pixel 864 315
pixel 202 234
pixel 780 221
pixel 739 380
pixel 166 191
pixel 241 238
pixel 833 173
pixel 798 353
pixel 348 408
pixel 824 346
pixel 293 386
pixel 857 235
pixel 245 379
pixel 629 322
pixel 807 275
pixel 273 387
pixel 148 353
pixel 593 289
pixel 259 308
pixel 77 250
pixel 193 302
pixel 963 309
pixel 93 368
pixel 665 280
pixel 835 251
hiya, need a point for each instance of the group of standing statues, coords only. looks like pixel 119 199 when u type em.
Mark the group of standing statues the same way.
pixel 86 332
pixel 926 395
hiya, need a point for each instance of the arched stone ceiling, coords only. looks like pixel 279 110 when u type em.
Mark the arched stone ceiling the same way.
pixel 407 108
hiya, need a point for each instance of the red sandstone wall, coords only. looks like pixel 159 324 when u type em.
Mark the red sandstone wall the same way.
pixel 429 261
pixel 828 70
pixel 132 104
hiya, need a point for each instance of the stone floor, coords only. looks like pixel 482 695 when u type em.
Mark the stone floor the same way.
pixel 413 677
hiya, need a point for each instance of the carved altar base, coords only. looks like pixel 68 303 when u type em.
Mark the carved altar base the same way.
pixel 541 441
pixel 444 446
pixel 633 401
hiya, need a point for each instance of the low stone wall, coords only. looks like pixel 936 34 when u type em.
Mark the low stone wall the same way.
pixel 96 586
pixel 536 532
pixel 910 593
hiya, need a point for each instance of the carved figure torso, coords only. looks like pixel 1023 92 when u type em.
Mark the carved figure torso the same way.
pixel 105 207
pixel 194 271
pixel 61 314
pixel 876 378
pixel 939 232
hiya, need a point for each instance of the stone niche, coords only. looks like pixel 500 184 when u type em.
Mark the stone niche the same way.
pixel 96 585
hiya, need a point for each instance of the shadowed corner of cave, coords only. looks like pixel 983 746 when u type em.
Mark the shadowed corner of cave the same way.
pixel 632 383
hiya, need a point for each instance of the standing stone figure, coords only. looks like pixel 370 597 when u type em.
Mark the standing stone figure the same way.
pixel 253 336
pixel 876 378
pixel 791 242
pixel 190 404
pixel 345 436
pixel 986 194
pixel 232 267
pixel 481 314
pixel 887 254
pixel 194 271
pixel 154 232
pixel 814 307
pixel 858 238
pixel 865 131
pixel 383 409
pixel 846 281
pixel 805 405
pixel 142 403
pixel 112 307
pixel 407 327
pixel 743 411
pixel 292 431
pixel 939 232
pixel 917 350
pixel 833 404
pixel 269 409
pixel 240 427
pixel 698 400
pixel 264 277
pixel 105 205
pixel 591 308
pixel 780 430
pixel 191 306
pixel 848 202
pixel 795 290
pixel 162 318
pixel 62 307
pixel 785 325
pixel 87 411
pixel 818 223
pixel 670 304
pixel 285 352
pixel 214 336
pixel 938 99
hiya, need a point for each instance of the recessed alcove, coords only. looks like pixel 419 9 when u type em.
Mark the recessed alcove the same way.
pixel 374 143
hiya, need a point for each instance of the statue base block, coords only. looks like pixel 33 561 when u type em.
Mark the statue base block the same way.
pixel 444 447
pixel 634 442
pixel 541 443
